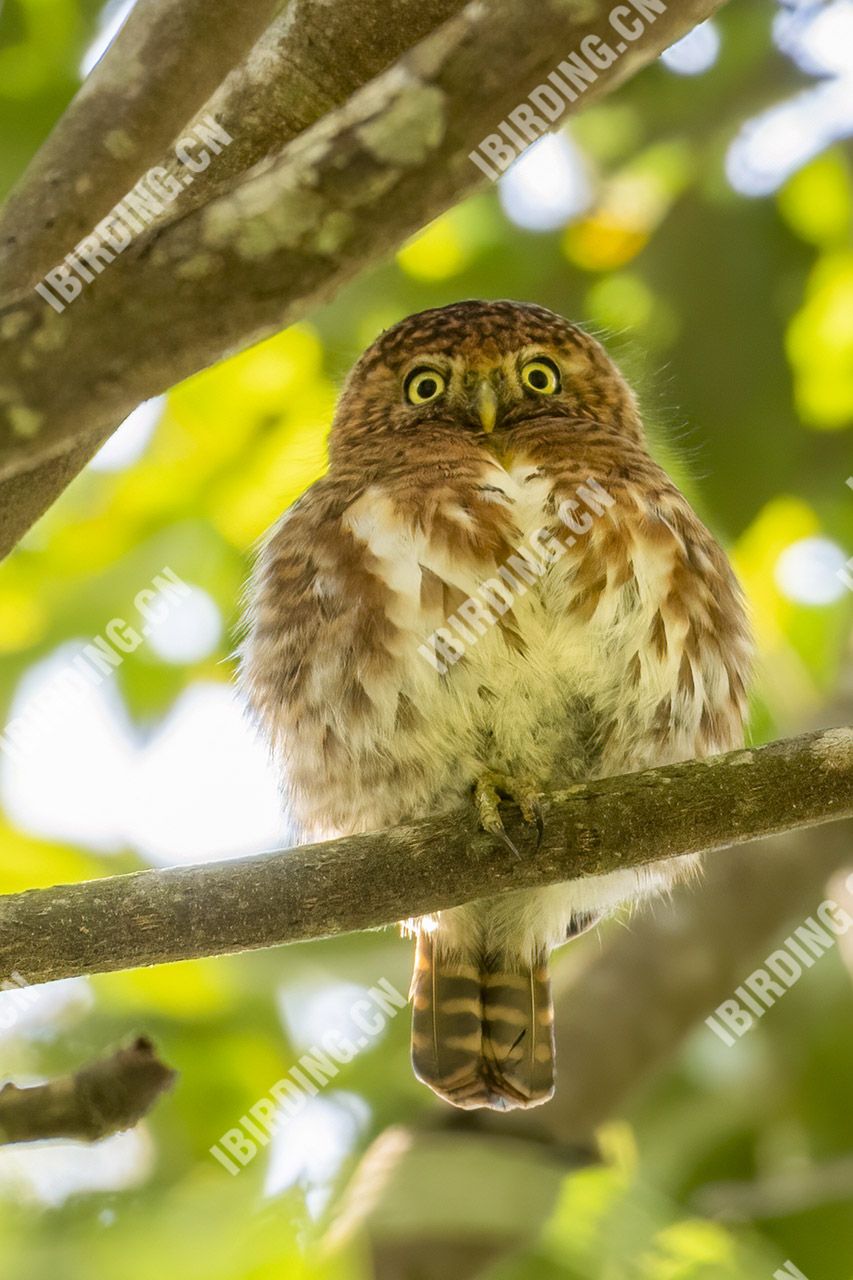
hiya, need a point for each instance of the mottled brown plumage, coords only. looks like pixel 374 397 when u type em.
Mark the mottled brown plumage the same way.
pixel 393 681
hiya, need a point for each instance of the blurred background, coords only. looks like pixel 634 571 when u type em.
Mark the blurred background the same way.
pixel 699 221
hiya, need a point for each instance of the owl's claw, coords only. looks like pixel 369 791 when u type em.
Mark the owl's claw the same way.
pixel 499 834
pixel 488 790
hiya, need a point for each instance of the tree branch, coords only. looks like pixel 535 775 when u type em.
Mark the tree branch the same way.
pixel 165 61
pixel 309 60
pixel 312 58
pixel 104 1097
pixel 337 198
pixel 366 881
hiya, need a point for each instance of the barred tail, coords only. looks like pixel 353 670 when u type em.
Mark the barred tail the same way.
pixel 482 1030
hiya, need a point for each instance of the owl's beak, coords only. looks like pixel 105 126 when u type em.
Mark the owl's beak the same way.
pixel 486 402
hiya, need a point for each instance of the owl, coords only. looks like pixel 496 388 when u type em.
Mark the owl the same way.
pixel 494 589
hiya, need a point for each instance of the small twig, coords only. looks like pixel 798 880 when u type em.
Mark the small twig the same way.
pixel 792 1191
pixel 104 1097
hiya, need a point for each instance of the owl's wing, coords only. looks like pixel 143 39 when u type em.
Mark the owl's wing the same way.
pixel 316 631
pixel 660 597
pixel 349 587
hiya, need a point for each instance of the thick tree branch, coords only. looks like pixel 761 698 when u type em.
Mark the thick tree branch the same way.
pixel 166 60
pixel 308 61
pixel 312 58
pixel 365 881
pixel 104 1097
pixel 337 198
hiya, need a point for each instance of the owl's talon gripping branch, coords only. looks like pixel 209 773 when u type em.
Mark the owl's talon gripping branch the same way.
pixel 491 787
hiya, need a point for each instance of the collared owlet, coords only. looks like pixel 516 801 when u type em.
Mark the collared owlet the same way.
pixel 493 590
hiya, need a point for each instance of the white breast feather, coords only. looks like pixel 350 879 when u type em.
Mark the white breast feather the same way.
pixel 564 661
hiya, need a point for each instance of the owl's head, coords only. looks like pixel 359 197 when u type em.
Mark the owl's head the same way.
pixel 486 368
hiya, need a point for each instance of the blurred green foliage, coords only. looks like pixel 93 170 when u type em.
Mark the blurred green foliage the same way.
pixel 734 317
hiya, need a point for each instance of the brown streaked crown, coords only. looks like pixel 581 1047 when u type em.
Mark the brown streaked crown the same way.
pixel 466 341
pixel 473 323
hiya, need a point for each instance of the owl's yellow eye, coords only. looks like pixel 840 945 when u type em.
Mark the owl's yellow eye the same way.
pixel 423 385
pixel 541 376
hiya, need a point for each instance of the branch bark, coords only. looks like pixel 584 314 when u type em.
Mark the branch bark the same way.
pixel 158 69
pixel 165 61
pixel 337 198
pixel 312 58
pixel 104 1097
pixel 366 881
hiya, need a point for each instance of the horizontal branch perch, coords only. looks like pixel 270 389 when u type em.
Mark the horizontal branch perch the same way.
pixel 104 1097
pixel 365 881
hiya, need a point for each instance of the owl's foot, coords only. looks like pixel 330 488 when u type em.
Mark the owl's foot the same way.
pixel 491 787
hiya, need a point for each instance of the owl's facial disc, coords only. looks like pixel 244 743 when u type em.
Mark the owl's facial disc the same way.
pixel 483 391
pixel 493 394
